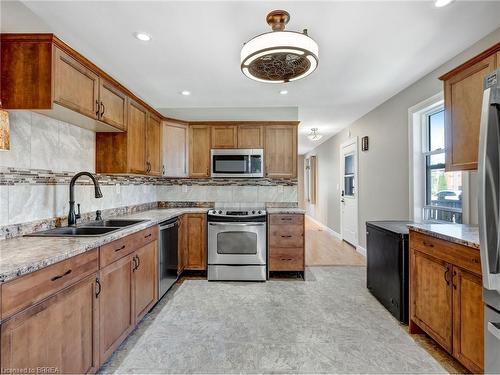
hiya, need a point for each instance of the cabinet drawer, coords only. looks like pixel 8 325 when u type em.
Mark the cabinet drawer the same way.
pixel 459 255
pixel 294 219
pixel 27 290
pixel 286 259
pixel 124 246
pixel 286 236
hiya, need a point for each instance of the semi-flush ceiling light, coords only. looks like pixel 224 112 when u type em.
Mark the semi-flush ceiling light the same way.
pixel 279 56
pixel 284 92
pixel 314 135
pixel 145 37
pixel 4 129
pixel 185 92
pixel 442 3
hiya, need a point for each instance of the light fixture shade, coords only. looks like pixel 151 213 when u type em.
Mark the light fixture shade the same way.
pixel 279 56
pixel 314 135
pixel 4 130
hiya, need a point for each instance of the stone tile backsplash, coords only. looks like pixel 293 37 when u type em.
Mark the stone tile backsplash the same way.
pixel 45 153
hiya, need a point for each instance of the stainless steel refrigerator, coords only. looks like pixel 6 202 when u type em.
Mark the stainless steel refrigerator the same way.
pixel 489 218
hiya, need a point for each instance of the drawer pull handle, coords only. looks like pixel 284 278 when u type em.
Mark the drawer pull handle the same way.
pixel 149 235
pixel 446 276
pixel 287 259
pixel 98 284
pixel 286 236
pixel 286 218
pixel 61 276
pixel 428 244
pixel 120 248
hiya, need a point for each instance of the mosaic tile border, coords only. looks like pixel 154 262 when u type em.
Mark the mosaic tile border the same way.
pixel 18 176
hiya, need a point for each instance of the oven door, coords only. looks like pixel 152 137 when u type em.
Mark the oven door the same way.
pixel 237 243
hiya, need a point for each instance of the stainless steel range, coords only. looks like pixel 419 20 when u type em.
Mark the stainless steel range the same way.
pixel 237 244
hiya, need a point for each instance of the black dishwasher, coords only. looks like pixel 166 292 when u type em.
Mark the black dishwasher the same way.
pixel 387 265
pixel 167 256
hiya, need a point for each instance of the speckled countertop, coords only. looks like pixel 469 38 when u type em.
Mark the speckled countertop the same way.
pixel 22 255
pixel 285 210
pixel 462 234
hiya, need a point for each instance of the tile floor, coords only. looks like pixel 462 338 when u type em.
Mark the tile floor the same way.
pixel 329 323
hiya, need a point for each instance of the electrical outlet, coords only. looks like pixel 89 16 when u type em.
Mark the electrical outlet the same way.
pixel 184 188
pixel 117 188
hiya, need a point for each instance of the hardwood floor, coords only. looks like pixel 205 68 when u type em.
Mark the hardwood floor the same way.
pixel 324 249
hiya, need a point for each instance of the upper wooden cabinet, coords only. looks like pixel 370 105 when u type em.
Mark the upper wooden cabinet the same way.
pixel 42 73
pixel 175 147
pixel 463 93
pixel 199 150
pixel 250 136
pixel 153 146
pixel 280 151
pixel 224 136
pixel 136 138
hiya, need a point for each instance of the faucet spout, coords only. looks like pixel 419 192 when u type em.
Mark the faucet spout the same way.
pixel 72 216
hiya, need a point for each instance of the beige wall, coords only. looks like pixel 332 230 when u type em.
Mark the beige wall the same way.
pixel 384 169
pixel 300 181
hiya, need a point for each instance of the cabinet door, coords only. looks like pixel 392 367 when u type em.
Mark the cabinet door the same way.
pixel 113 105
pixel 136 137
pixel 224 136
pixel 59 333
pixel 281 151
pixel 250 136
pixel 116 314
pixel 75 86
pixel 463 100
pixel 196 235
pixel 199 151
pixel 175 139
pixel 153 146
pixel 497 60
pixel 431 297
pixel 468 313
pixel 145 280
pixel 182 248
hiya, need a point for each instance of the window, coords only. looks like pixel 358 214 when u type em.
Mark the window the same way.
pixel 349 175
pixel 443 190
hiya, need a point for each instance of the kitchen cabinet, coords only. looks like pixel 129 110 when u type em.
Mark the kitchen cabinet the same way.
pixel 175 149
pixel 76 87
pixel 463 94
pixel 116 314
pixel 286 242
pixel 136 138
pixel 59 333
pixel 224 136
pixel 280 151
pixel 153 146
pixel 42 73
pixel 250 136
pixel 182 245
pixel 196 241
pixel 199 150
pixel 446 297
pixel 145 279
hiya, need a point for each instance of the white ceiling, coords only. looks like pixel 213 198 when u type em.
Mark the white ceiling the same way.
pixel 369 50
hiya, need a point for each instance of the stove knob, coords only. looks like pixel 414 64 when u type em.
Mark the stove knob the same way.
pixel 220 212
pixel 259 212
pixel 253 212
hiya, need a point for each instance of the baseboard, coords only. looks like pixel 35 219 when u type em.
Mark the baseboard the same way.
pixel 324 227
pixel 361 250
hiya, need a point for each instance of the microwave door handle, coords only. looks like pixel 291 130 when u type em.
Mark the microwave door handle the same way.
pixel 488 211
pixel 249 164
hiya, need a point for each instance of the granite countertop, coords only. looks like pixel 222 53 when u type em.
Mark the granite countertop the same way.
pixel 22 255
pixel 285 210
pixel 462 234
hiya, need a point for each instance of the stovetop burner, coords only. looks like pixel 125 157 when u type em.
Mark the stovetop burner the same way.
pixel 232 212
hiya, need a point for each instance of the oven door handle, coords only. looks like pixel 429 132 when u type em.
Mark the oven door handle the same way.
pixel 238 224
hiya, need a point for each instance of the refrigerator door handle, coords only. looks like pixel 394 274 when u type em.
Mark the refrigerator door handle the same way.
pixel 494 329
pixel 488 185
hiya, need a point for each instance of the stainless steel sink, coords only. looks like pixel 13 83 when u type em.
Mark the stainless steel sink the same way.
pixel 114 223
pixel 92 229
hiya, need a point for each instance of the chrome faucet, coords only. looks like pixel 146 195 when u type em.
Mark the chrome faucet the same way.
pixel 72 216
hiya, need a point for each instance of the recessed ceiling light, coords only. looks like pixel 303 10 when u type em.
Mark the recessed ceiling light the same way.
pixel 442 3
pixel 284 92
pixel 185 92
pixel 145 37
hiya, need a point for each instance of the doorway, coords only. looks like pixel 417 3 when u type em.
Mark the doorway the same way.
pixel 349 191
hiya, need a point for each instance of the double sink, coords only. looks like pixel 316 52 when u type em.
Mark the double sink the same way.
pixel 91 229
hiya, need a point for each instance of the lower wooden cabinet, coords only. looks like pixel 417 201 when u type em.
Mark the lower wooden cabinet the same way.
pixel 116 315
pixel 59 334
pixel 196 242
pixel 145 276
pixel 286 242
pixel 446 297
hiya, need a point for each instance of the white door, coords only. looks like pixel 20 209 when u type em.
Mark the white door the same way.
pixel 349 191
pixel 174 150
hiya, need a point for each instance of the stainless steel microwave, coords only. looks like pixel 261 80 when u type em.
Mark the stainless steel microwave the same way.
pixel 237 162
